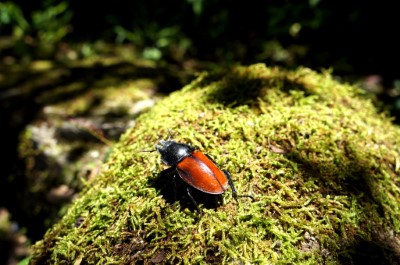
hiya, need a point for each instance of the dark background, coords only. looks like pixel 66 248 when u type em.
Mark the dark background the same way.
pixel 357 40
pixel 354 38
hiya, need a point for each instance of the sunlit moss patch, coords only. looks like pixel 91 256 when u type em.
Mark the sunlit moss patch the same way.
pixel 321 163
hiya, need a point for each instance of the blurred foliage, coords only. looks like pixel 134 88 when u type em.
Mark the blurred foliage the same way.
pixel 154 41
pixel 52 24
pixel 42 29
pixel 214 30
pixel 11 14
pixel 311 33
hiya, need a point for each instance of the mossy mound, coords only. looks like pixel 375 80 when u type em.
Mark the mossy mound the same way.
pixel 321 163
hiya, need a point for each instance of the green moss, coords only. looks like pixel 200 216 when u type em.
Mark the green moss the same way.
pixel 321 162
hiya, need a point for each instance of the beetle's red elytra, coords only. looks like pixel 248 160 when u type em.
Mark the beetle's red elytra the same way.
pixel 201 173
pixel 195 168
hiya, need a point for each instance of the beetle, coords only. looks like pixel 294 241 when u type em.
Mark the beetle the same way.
pixel 197 169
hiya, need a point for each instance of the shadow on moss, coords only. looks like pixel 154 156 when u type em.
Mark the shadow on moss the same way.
pixel 368 252
pixel 239 88
pixel 175 190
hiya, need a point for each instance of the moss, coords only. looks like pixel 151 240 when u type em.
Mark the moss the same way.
pixel 321 163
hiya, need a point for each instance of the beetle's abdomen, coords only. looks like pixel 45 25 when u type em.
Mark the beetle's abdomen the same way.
pixel 201 173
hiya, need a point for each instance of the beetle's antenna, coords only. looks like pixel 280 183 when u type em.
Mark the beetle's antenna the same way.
pixel 170 134
pixel 148 151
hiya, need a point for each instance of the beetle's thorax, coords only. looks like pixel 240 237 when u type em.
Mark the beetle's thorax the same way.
pixel 172 152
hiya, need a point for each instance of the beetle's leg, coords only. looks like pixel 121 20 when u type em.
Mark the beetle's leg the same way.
pixel 212 160
pixel 228 176
pixel 235 195
pixel 175 186
pixel 230 181
pixel 193 200
pixel 187 190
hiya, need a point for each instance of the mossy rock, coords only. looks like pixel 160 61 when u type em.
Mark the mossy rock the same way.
pixel 320 161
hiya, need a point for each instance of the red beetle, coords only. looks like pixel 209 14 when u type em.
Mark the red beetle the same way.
pixel 195 168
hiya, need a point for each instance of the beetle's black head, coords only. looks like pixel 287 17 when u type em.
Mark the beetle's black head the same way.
pixel 172 152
